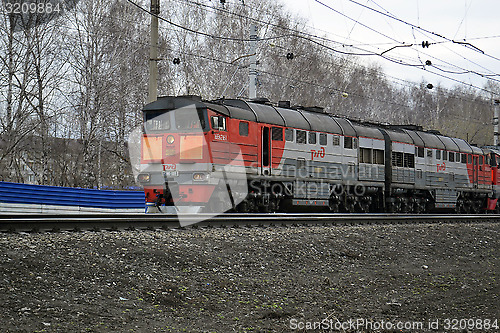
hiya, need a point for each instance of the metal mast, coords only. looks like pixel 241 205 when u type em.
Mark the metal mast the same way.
pixel 496 105
pixel 252 86
pixel 153 53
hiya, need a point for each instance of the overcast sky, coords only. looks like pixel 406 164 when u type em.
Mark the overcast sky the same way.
pixel 475 21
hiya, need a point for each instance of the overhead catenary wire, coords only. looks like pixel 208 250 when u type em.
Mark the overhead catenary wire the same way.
pixel 403 44
pixel 418 27
pixel 312 37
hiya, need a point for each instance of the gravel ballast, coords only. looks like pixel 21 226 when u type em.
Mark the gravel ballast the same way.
pixel 252 279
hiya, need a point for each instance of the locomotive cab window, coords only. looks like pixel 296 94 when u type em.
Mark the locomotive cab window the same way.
pixel 312 138
pixel 157 121
pixel 429 152
pixel 190 120
pixel 336 140
pixel 277 134
pixel 323 139
pixel 438 154
pixel 469 158
pixel 451 156
pixel 445 155
pixel 243 128
pixel 419 151
pixel 289 134
pixel 218 123
pixel 464 158
pixel 481 160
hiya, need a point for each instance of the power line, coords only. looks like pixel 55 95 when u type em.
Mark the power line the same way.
pixel 195 31
pixel 311 38
pixel 420 28
pixel 403 44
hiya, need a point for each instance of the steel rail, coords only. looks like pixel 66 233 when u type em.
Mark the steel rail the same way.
pixel 76 222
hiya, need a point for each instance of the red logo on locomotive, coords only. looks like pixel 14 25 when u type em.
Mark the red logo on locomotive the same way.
pixel 441 167
pixel 318 153
pixel 167 167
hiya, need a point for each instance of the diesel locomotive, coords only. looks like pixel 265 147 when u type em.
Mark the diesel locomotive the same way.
pixel 249 156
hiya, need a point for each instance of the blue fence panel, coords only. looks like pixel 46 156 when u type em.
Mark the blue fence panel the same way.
pixel 68 196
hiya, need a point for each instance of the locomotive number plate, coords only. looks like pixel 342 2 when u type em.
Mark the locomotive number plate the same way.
pixel 170 173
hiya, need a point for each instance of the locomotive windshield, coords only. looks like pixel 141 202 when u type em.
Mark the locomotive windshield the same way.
pixel 157 120
pixel 188 119
pixel 182 119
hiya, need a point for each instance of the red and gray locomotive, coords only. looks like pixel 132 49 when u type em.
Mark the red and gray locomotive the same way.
pixel 249 156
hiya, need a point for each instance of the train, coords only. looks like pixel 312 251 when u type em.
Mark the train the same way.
pixel 255 156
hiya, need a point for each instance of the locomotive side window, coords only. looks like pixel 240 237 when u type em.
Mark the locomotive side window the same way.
pixel 469 159
pixel 347 142
pixel 336 140
pixel 397 159
pixel 451 157
pixel 312 138
pixel 243 128
pixel 464 158
pixel 301 136
pixel 409 161
pixel 323 139
pixel 445 155
pixel 365 155
pixel 457 157
pixel 481 160
pixel 419 151
pixel 378 156
pixel 289 134
pixel 218 123
pixel 493 160
pixel 429 152
pixel 438 154
pixel 277 134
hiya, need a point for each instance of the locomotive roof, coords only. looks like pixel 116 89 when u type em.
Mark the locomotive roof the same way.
pixel 368 131
pixel 399 135
pixel 417 140
pixel 171 103
pixel 449 144
pixel 309 120
pixel 295 118
pixel 430 140
pixel 463 145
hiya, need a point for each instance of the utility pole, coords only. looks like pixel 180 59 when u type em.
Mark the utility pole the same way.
pixel 153 53
pixel 496 105
pixel 252 85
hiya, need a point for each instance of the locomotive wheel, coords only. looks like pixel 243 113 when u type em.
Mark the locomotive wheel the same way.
pixel 334 205
pixel 350 205
pixel 243 207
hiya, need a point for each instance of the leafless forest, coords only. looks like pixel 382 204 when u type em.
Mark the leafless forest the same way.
pixel 71 88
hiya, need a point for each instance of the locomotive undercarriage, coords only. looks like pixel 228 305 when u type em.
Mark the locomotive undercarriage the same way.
pixel 406 201
pixel 471 203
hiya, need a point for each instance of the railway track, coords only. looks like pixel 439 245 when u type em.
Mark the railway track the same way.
pixel 73 222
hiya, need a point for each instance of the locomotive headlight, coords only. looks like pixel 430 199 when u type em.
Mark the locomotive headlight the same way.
pixel 144 177
pixel 199 176
pixel 170 139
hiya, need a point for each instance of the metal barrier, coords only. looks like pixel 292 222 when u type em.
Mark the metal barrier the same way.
pixel 15 196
